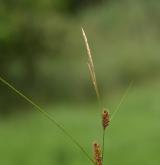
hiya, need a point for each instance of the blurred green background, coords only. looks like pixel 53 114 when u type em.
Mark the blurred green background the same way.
pixel 42 53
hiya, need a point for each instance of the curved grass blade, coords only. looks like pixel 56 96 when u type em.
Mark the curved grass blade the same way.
pixel 50 117
pixel 122 100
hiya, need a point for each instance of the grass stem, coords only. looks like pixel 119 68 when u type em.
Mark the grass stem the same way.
pixel 103 143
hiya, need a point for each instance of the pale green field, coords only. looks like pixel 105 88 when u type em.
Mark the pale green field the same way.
pixel 133 136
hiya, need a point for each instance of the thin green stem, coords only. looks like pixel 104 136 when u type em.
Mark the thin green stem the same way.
pixel 50 117
pixel 103 143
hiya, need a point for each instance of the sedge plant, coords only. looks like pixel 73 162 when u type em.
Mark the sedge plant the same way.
pixel 98 150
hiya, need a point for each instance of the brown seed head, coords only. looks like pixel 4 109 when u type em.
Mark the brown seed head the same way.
pixel 105 118
pixel 97 154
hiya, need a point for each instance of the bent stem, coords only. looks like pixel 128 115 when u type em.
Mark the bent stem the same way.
pixel 48 116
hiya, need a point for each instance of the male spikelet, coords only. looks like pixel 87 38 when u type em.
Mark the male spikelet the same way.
pixel 91 66
pixel 97 154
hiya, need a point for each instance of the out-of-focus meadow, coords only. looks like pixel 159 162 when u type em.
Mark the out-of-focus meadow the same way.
pixel 43 54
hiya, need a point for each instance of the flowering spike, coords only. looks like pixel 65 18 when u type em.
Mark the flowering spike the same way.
pixel 97 154
pixel 105 119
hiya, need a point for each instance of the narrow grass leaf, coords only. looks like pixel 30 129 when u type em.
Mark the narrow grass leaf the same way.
pixel 50 117
pixel 122 100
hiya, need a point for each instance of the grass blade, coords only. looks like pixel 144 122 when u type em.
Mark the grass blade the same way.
pixel 48 116
pixel 122 100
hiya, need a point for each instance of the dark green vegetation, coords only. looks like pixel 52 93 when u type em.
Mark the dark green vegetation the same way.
pixel 132 138
pixel 42 49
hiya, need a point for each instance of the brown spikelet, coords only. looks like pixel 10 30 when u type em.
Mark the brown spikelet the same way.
pixel 97 154
pixel 105 118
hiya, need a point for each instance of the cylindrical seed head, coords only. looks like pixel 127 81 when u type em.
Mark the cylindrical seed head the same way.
pixel 105 118
pixel 97 154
